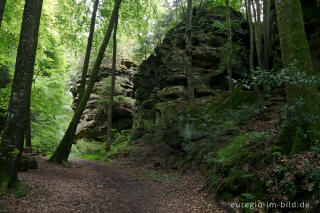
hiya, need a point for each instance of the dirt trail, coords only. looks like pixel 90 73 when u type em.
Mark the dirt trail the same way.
pixel 91 186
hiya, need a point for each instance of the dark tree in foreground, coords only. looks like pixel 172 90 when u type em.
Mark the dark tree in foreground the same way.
pixel 13 135
pixel 2 6
pixel 28 123
pixel 298 132
pixel 88 52
pixel 114 62
pixel 62 152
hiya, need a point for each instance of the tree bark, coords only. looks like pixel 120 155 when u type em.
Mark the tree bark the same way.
pixel 114 62
pixel 251 28
pixel 267 32
pixel 229 55
pixel 191 95
pixel 297 134
pixel 62 152
pixel 13 135
pixel 258 30
pixel 2 6
pixel 28 124
pixel 88 52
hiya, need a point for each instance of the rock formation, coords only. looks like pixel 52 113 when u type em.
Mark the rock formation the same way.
pixel 161 83
pixel 93 124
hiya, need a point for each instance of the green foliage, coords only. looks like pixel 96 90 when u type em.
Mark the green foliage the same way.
pixel 297 178
pixel 233 3
pixel 232 167
pixel 4 98
pixel 50 112
pixel 20 190
pixel 9 33
pixel 300 131
pixel 235 151
pixel 90 150
pixel 72 21
pixel 95 150
pixel 270 80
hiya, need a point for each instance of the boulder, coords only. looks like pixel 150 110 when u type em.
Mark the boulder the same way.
pixel 93 123
pixel 28 161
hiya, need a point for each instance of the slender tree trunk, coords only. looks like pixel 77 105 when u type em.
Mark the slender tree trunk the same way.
pixel 251 27
pixel 258 28
pixel 114 64
pixel 198 12
pixel 298 132
pixel 2 6
pixel 88 52
pixel 62 152
pixel 267 32
pixel 182 6
pixel 229 55
pixel 191 94
pixel 145 54
pixel 13 135
pixel 256 33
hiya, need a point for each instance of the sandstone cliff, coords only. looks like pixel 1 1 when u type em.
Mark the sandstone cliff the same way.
pixel 161 83
pixel 93 123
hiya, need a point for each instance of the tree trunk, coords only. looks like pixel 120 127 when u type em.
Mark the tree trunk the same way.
pixel 298 133
pixel 2 6
pixel 267 32
pixel 13 135
pixel 62 152
pixel 88 52
pixel 229 55
pixel 28 124
pixel 114 62
pixel 191 95
pixel 251 27
pixel 258 30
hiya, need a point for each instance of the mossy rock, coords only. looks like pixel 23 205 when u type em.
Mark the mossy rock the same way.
pixel 27 162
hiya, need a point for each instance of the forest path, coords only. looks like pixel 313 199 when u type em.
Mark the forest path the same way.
pixel 92 186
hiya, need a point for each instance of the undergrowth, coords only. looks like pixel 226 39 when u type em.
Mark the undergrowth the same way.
pixel 95 150
pixel 238 163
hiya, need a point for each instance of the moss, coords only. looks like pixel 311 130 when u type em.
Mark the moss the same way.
pixel 6 180
pixel 238 150
pixel 237 98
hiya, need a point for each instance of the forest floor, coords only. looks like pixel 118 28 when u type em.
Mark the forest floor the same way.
pixel 95 186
